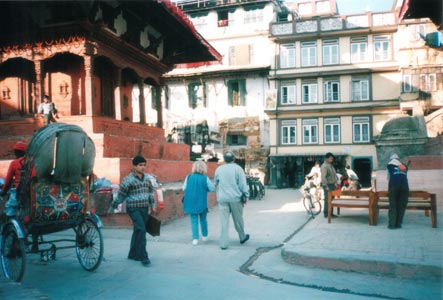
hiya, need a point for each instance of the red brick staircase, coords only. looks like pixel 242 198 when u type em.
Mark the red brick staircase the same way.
pixel 116 142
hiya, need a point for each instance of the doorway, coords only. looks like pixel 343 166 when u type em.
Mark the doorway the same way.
pixel 363 168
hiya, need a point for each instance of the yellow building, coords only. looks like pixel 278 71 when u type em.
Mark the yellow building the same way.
pixel 338 79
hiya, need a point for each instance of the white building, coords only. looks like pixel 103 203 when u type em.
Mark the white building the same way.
pixel 230 97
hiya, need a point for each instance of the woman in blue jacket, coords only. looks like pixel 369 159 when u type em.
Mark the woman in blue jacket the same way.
pixel 195 202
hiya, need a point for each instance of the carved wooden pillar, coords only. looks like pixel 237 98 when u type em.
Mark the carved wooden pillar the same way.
pixel 38 87
pixel 117 95
pixel 159 106
pixel 89 86
pixel 141 101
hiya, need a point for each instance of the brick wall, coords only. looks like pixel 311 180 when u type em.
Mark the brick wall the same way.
pixel 173 209
pixel 425 173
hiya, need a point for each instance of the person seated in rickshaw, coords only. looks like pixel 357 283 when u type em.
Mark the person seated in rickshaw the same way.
pixel 13 178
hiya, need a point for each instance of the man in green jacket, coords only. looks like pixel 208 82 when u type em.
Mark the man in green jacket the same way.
pixel 328 179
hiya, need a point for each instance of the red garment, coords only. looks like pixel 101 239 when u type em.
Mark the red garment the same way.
pixel 13 175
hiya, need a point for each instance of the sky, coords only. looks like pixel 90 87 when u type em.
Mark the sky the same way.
pixel 348 7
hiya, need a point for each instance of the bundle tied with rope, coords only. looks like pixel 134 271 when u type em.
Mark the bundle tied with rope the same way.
pixel 58 153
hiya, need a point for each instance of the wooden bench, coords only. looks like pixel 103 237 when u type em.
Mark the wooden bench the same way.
pixel 353 199
pixel 418 200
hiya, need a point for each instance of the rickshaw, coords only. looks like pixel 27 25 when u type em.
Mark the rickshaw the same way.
pixel 52 196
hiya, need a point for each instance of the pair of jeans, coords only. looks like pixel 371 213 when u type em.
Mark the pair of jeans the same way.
pixel 203 224
pixel 137 250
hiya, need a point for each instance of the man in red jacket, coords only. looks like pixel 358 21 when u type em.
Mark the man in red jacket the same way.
pixel 13 177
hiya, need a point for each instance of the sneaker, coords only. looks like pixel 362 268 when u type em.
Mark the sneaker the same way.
pixel 194 242
pixel 205 238
pixel 245 239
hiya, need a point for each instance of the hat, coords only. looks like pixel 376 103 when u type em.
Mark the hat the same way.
pixel 20 146
pixel 229 157
pixel 394 156
pixel 138 160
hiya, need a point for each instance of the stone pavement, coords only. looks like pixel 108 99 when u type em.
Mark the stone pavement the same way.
pixel 346 256
pixel 404 263
pixel 348 243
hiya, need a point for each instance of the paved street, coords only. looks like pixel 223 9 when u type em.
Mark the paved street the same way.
pixel 254 270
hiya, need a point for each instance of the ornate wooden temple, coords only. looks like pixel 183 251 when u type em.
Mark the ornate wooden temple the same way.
pixel 101 63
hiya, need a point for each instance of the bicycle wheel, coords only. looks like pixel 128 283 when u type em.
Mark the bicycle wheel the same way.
pixel 89 245
pixel 316 207
pixel 13 255
pixel 307 203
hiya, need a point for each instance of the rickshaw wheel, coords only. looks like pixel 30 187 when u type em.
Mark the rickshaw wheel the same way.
pixel 13 254
pixel 89 245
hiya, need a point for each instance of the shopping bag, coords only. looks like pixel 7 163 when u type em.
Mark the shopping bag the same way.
pixel 153 226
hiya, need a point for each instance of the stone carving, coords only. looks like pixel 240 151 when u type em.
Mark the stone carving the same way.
pixel 331 24
pixel 281 29
pixel 306 26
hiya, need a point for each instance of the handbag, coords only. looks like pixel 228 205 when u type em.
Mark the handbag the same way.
pixel 153 226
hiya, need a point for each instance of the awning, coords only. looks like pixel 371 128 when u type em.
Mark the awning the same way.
pixel 413 9
pixel 184 20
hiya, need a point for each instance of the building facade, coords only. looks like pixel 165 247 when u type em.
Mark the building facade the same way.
pixel 101 63
pixel 421 68
pixel 337 83
pixel 221 106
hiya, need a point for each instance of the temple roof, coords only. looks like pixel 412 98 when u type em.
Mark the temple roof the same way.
pixel 30 21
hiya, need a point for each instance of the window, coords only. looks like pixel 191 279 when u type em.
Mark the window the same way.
pixel 330 52
pixel 253 16
pixel 360 127
pixel 287 93
pixel 428 82
pixel 382 47
pixel 310 131
pixel 332 130
pixel 359 49
pixel 196 95
pixel 222 18
pixel 360 89
pixel 308 54
pixel 237 92
pixel 288 129
pixel 406 86
pixel 241 55
pixel 331 91
pixel 309 93
pixel 287 56
pixel 236 140
pixel 415 30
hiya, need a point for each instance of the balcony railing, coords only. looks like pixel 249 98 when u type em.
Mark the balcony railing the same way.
pixel 329 24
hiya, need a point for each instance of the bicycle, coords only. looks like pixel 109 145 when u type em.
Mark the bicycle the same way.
pixel 311 202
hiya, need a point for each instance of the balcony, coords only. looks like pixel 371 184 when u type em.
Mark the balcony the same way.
pixel 333 24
